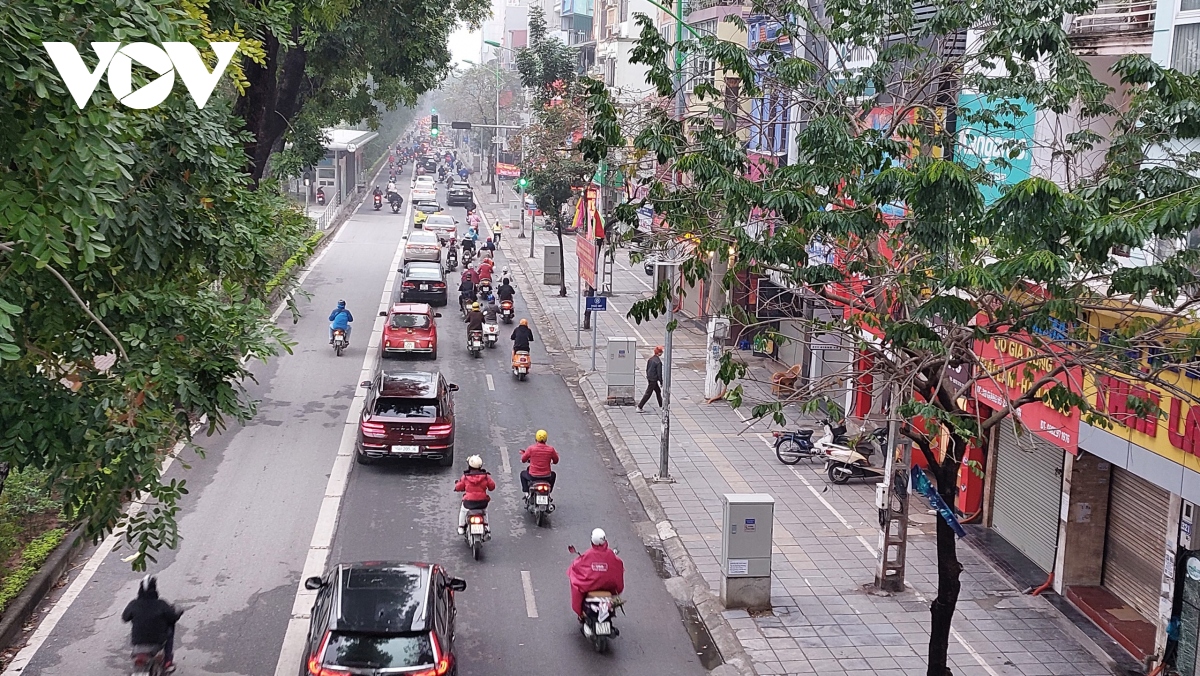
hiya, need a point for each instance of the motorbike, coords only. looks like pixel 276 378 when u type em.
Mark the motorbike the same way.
pixel 491 334
pixel 538 501
pixel 378 202
pixel 149 660
pixel 506 311
pixel 451 259
pixel 844 462
pixel 599 608
pixel 339 341
pixel 485 288
pixel 792 447
pixel 521 363
pixel 396 201
pixel 477 531
pixel 475 343
pixel 320 197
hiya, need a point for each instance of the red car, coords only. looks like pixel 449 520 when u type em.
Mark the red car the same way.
pixel 407 414
pixel 410 329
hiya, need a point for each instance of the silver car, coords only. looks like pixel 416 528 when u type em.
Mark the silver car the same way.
pixel 443 225
pixel 423 246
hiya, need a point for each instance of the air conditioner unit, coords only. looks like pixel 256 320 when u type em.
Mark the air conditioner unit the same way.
pixel 623 30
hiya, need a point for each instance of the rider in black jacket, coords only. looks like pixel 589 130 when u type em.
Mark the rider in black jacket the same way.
pixel 153 620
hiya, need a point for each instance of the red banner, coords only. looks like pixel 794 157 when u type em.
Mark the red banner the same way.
pixel 585 251
pixel 508 170
pixel 1016 367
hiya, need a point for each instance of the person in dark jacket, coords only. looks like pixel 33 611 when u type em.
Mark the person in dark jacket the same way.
pixel 474 319
pixel 153 620
pixel 505 290
pixel 466 290
pixel 522 336
pixel 654 376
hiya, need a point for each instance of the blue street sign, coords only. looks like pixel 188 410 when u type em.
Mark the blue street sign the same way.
pixel 595 304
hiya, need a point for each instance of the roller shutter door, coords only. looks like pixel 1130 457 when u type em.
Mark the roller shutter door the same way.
pixel 1134 544
pixel 1027 494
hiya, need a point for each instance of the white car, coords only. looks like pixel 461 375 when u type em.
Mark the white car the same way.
pixel 423 246
pixel 425 180
pixel 421 193
pixel 443 225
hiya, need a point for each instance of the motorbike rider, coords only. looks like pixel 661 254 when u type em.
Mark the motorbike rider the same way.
pixel 466 290
pixel 468 244
pixel 491 311
pixel 597 569
pixel 377 192
pixel 521 337
pixel 153 620
pixel 540 457
pixel 505 291
pixel 474 319
pixel 391 188
pixel 474 484
pixel 490 247
pixel 340 318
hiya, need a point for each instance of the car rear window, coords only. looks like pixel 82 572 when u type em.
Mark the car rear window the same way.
pixel 410 321
pixel 397 407
pixel 370 651
pixel 422 238
pixel 440 220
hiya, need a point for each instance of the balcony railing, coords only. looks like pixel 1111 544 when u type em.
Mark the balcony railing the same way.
pixel 1114 16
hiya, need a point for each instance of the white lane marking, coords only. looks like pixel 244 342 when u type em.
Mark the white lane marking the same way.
pixel 504 461
pixel 63 604
pixel 491 383
pixel 290 653
pixel 527 583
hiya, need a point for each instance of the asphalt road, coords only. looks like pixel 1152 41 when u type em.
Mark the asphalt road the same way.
pixel 255 497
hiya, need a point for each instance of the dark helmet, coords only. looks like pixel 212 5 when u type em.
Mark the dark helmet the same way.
pixel 148 587
pixel 341 304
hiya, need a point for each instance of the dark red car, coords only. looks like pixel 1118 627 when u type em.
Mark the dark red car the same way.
pixel 410 329
pixel 407 414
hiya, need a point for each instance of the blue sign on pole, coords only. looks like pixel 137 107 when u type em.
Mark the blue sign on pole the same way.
pixel 595 304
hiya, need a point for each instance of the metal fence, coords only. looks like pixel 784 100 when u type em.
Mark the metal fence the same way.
pixel 1111 16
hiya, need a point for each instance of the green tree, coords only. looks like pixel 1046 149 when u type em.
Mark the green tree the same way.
pixel 134 255
pixel 547 65
pixel 924 263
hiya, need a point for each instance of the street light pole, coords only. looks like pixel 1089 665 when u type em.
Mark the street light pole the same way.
pixel 664 441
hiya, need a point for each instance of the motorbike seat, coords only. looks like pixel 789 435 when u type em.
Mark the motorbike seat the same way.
pixel 803 434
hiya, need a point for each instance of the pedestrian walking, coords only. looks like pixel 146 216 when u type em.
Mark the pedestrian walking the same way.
pixel 654 376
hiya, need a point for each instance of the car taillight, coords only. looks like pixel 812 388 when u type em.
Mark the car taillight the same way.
pixel 314 662
pixel 410 285
pixel 440 430
pixel 442 662
pixel 476 519
pixel 372 429
pixel 439 285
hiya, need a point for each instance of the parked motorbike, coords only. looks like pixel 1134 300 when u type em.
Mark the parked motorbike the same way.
pixel 378 202
pixel 320 197
pixel 599 608
pixel 339 341
pixel 506 311
pixel 845 462
pixel 477 531
pixel 538 501
pixel 149 660
pixel 792 447
pixel 475 342
pixel 521 363
pixel 491 334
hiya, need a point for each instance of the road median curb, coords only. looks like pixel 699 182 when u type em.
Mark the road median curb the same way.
pixel 23 607
pixel 700 595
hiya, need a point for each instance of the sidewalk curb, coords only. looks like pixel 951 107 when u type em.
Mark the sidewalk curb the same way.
pixel 12 622
pixel 736 661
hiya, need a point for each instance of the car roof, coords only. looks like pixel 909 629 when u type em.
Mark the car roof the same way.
pixel 411 384
pixel 421 234
pixel 383 597
pixel 426 265
pixel 426 273
pixel 411 308
pixel 442 217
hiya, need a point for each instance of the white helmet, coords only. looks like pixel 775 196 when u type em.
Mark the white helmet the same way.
pixel 598 537
pixel 476 462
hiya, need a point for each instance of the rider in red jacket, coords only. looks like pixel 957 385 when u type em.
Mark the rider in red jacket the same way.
pixel 540 457
pixel 597 569
pixel 474 484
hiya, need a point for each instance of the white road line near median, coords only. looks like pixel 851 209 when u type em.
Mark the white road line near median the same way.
pixel 63 604
pixel 505 464
pixel 530 604
pixel 290 653
pixel 491 383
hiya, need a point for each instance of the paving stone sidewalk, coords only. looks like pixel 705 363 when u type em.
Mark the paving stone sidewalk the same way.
pixel 823 620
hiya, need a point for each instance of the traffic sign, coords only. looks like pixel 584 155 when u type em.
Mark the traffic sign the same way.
pixel 596 304
pixel 460 125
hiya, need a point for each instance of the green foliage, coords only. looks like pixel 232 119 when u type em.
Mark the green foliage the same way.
pixel 547 65
pixel 32 558
pixel 291 266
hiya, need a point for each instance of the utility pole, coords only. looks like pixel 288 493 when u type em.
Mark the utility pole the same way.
pixel 664 442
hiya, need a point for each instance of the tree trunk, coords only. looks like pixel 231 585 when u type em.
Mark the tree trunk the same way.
pixel 941 611
pixel 5 469
pixel 271 101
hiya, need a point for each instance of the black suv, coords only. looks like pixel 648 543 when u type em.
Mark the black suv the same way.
pixel 380 617
pixel 459 195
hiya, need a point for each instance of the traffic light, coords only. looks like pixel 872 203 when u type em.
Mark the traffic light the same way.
pixel 433 125
pixel 522 182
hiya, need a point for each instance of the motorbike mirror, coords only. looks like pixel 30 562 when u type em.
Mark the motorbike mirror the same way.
pixel 453 387
pixel 571 548
pixel 457 584
pixel 437 314
pixel 383 313
pixel 366 383
pixel 313 583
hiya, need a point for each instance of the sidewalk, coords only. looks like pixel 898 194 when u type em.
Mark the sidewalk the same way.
pixel 823 620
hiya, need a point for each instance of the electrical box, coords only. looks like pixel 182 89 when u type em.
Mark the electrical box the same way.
pixel 747 524
pixel 718 328
pixel 622 364
pixel 551 266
